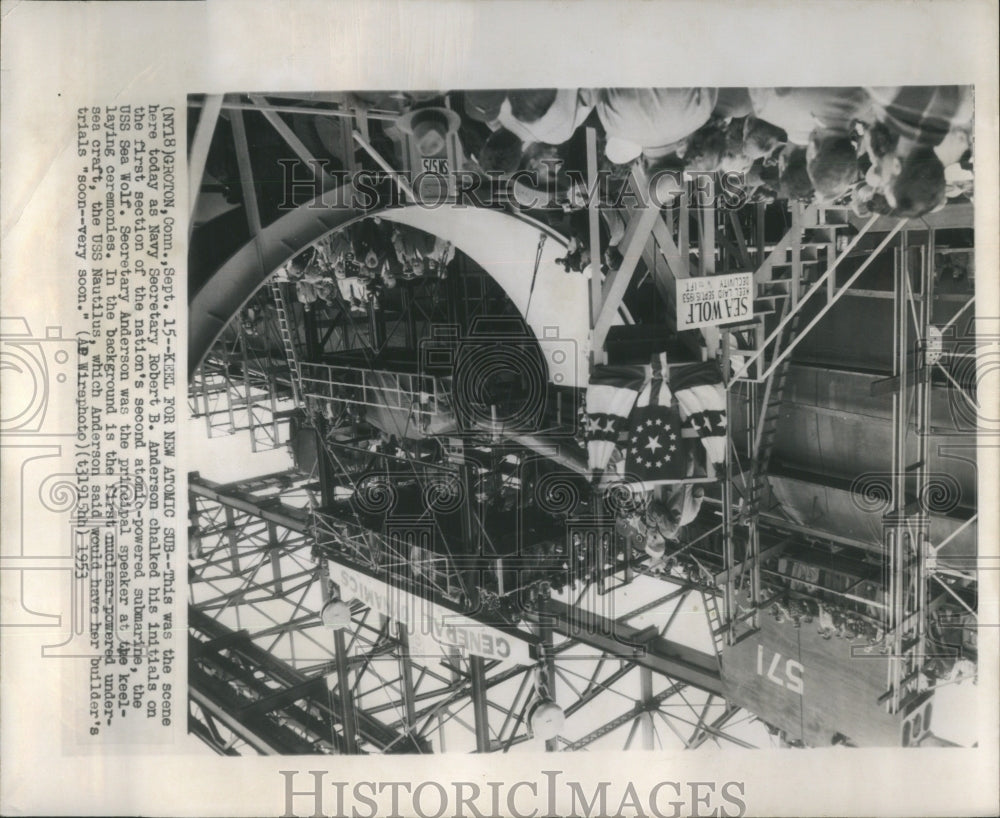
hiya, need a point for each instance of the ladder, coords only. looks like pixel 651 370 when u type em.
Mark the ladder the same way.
pixel 770 409
pixel 798 260
pixel 287 329
pixel 716 625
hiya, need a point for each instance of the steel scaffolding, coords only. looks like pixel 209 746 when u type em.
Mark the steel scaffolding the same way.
pixel 268 551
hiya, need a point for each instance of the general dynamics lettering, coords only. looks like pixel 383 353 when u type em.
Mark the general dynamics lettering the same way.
pixel 469 638
pixel 443 626
pixel 397 606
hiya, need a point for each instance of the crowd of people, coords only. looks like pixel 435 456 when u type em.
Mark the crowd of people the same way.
pixel 356 264
pixel 901 151
pixel 898 150
pixel 831 620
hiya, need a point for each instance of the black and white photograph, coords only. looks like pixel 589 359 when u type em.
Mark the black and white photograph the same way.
pixel 623 418
pixel 452 409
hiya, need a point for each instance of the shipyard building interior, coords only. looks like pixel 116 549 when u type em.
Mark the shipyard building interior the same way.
pixel 582 418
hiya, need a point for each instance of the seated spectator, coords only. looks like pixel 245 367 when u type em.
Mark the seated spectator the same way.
pixel 732 103
pixel 546 162
pixel 800 111
pixel 919 119
pixel 918 186
pixel 375 263
pixel 416 268
pixel 706 147
pixel 352 289
pixel 822 119
pixel 325 290
pixel 409 243
pixel 832 164
pixel 923 115
pixel 760 138
pixel 484 105
pixel 333 249
pixel 304 266
pixel 372 242
pixel 389 280
pixel 867 201
pixel 793 177
pixel 305 292
pixel 501 153
pixel 545 114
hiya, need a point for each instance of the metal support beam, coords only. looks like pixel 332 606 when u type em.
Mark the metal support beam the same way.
pixel 637 233
pixel 258 727
pixel 479 703
pixel 223 495
pixel 646 719
pixel 350 731
pixel 637 710
pixel 659 654
pixel 290 137
pixel 548 661
pixel 594 224
pixel 200 145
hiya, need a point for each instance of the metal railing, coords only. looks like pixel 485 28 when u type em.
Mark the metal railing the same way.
pixel 422 397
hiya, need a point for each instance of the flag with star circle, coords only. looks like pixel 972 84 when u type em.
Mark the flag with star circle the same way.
pixel 655 450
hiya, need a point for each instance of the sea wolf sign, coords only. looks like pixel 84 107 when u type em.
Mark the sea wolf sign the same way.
pixel 712 300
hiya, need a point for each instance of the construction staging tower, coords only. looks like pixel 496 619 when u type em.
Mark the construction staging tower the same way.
pixel 437 567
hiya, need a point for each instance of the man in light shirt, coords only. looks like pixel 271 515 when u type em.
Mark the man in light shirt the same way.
pixel 546 115
pixel 651 122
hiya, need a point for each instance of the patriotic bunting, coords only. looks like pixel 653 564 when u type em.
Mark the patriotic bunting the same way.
pixel 701 397
pixel 611 393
